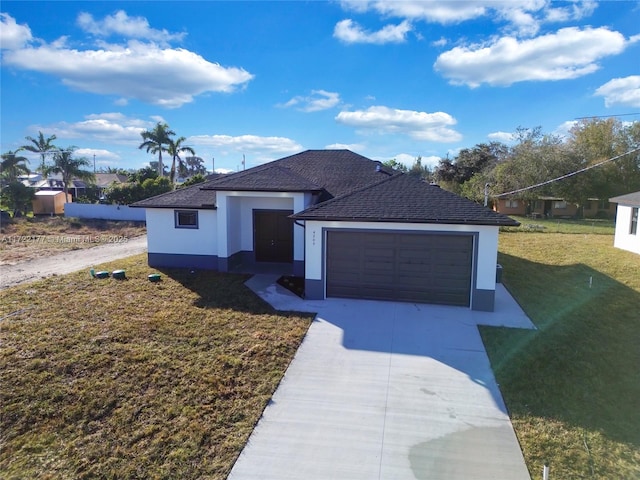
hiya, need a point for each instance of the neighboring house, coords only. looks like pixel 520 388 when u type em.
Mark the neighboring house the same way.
pixel 49 202
pixel 627 233
pixel 77 187
pixel 510 206
pixel 553 207
pixel 350 226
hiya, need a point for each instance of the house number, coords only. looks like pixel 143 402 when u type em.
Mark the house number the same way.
pixel 313 238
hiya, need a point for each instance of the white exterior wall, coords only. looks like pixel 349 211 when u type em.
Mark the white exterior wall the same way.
pixel 623 239
pixel 104 212
pixel 163 237
pixel 487 245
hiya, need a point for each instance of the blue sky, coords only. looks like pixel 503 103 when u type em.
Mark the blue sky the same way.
pixel 386 79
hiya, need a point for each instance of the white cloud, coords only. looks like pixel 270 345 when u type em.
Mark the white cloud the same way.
pixel 348 31
pixel 129 27
pixel 435 11
pixel 258 149
pixel 564 128
pixel 434 127
pixel 621 91
pixel 569 53
pixel 105 127
pixel 141 70
pixel 442 42
pixel 164 77
pixel 318 100
pixel 504 137
pixel 522 16
pixel 408 160
pixel 102 157
pixel 354 147
pixel 12 35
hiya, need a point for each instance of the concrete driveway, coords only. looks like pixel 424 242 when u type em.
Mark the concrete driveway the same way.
pixel 384 390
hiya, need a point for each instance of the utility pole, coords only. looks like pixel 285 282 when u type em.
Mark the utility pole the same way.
pixel 213 164
pixel 94 163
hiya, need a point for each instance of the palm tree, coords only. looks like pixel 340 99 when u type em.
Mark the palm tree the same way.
pixel 70 168
pixel 155 141
pixel 40 145
pixel 12 166
pixel 175 148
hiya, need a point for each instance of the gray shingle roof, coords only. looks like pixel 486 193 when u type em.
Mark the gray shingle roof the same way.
pixel 330 172
pixel 630 199
pixel 352 187
pixel 404 198
pixel 187 197
pixel 270 178
pixel 334 172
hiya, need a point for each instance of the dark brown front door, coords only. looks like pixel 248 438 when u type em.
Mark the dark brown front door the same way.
pixel 273 235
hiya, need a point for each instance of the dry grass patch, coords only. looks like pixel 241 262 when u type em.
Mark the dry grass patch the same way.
pixel 132 379
pixel 572 387
pixel 26 238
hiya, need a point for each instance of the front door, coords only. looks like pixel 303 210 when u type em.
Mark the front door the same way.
pixel 273 236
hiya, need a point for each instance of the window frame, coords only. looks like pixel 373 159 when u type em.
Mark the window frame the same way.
pixel 633 223
pixel 177 223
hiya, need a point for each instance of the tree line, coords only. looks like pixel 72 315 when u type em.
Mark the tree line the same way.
pixel 141 184
pixel 606 152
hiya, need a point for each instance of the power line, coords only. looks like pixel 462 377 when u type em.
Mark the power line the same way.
pixel 541 184
pixel 606 116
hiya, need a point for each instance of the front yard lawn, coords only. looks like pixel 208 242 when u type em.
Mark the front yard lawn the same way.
pixel 573 386
pixel 132 379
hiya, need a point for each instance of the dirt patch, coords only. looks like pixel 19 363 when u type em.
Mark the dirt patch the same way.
pixel 293 284
pixel 29 238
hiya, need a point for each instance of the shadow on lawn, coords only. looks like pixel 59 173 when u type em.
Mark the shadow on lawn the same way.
pixel 219 289
pixel 581 366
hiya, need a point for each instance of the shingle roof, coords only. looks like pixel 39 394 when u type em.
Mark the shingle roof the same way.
pixel 630 199
pixel 334 172
pixel 404 198
pixel 272 177
pixel 330 172
pixel 187 197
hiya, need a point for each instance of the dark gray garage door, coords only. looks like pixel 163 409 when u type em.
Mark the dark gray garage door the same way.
pixel 424 268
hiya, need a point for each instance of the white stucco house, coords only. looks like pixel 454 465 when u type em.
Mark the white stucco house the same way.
pixel 627 233
pixel 347 224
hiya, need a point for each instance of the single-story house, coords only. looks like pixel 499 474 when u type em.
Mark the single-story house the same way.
pixel 50 202
pixel 350 226
pixel 627 233
pixel 553 207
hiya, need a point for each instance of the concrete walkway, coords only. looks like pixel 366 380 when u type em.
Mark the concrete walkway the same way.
pixel 384 390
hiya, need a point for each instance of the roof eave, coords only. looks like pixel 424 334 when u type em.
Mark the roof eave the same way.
pixel 332 218
pixel 191 207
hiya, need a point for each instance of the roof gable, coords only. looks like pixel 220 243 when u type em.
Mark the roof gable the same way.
pixel 405 198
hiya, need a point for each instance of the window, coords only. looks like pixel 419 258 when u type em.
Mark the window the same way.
pixel 603 205
pixel 560 205
pixel 186 218
pixel 633 229
pixel 511 203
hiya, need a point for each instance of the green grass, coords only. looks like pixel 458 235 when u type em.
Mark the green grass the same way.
pixel 573 386
pixel 133 379
pixel 560 225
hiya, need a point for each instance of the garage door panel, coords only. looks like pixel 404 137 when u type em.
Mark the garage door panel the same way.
pixel 425 268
